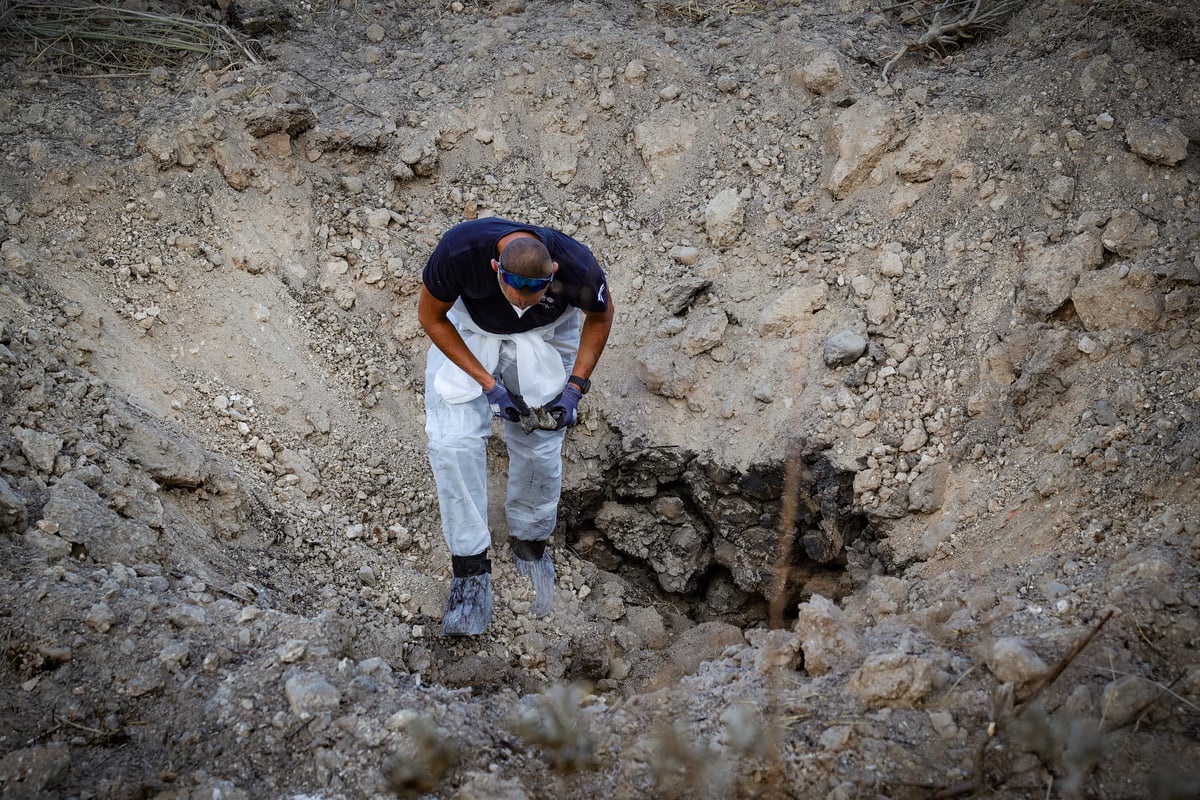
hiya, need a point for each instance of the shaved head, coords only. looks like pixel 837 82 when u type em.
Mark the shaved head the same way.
pixel 527 257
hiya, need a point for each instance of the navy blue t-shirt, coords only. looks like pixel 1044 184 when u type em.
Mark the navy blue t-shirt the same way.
pixel 461 266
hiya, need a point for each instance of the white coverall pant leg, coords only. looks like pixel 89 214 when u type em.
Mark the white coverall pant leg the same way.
pixel 458 454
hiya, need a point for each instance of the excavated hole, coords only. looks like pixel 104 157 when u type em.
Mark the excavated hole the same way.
pixel 704 538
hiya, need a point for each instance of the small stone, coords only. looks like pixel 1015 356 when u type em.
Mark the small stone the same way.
pixel 379 217
pixel 724 217
pixel 1125 698
pixel 844 347
pixel 17 258
pixel 1014 661
pixel 891 265
pixel 308 693
pixel 685 255
pixel 823 74
pixel 100 618
pixel 292 651
pixel 915 439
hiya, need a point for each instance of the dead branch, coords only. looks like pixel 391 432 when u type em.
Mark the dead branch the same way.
pixel 1050 677
pixel 952 22
pixel 974 783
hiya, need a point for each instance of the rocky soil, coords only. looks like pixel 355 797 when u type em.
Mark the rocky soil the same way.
pixel 888 485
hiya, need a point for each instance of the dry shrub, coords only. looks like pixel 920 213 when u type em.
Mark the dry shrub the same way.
pixel 1173 27
pixel 950 23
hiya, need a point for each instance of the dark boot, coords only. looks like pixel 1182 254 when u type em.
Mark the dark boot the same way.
pixel 534 562
pixel 469 607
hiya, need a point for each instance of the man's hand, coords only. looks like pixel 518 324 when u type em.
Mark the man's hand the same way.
pixel 510 407
pixel 564 408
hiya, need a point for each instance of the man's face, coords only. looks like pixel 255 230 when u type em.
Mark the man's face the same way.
pixel 528 293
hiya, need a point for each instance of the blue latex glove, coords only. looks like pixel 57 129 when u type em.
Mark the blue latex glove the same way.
pixel 503 404
pixel 564 408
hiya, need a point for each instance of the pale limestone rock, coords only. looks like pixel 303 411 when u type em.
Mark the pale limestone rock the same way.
pixel 822 74
pixel 893 679
pixel 1053 272
pixel 724 217
pixel 1013 661
pixel 705 330
pixel 1106 299
pixel 791 311
pixel 1158 141
pixel 864 131
pixel 39 448
pixel 308 693
pixel 1126 233
pixel 826 638
pixel 662 140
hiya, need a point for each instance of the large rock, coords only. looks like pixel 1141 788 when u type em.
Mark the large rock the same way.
pixel 17 258
pixel 309 693
pixel 725 217
pixel 39 448
pixel 168 456
pixel 843 347
pixel 665 371
pixel 33 772
pixel 791 311
pixel 864 132
pixel 662 140
pixel 826 638
pixel 822 74
pixel 1109 298
pixel 1053 272
pixel 1159 141
pixel 928 490
pixel 1014 661
pixel 679 295
pixel 1126 698
pixel 679 553
pixel 705 330
pixel 82 517
pixel 928 149
pixel 236 162
pixel 290 118
pixel 1127 234
pixel 894 679
pixel 12 509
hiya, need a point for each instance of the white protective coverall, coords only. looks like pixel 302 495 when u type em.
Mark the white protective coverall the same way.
pixel 458 422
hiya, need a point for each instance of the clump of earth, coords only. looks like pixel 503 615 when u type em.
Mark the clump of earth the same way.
pixel 887 484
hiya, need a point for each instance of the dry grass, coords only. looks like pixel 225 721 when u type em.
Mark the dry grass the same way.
pixel 89 38
pixel 698 10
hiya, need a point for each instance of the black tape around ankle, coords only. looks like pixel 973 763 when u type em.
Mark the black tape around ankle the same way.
pixel 466 566
pixel 527 549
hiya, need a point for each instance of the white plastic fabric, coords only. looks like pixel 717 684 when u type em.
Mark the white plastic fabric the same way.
pixel 541 375
pixel 458 433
